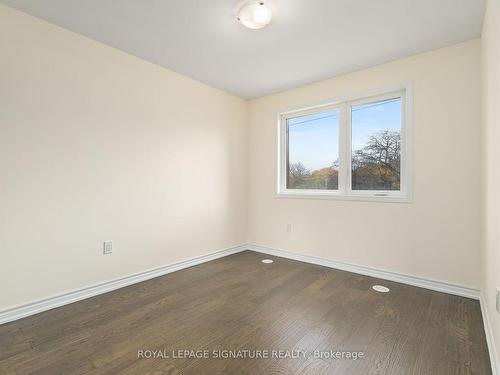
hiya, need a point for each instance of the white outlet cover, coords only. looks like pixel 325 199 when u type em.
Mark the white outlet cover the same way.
pixel 107 247
pixel 380 289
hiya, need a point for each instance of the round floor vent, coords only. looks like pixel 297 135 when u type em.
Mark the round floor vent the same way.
pixel 380 288
pixel 267 261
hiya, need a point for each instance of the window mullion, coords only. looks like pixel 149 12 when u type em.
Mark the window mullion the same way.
pixel 344 162
pixel 348 151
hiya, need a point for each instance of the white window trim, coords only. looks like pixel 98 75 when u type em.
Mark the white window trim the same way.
pixel 344 192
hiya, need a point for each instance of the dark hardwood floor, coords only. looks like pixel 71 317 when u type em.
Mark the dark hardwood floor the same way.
pixel 240 306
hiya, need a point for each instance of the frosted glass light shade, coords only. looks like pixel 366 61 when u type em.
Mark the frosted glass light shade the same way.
pixel 255 15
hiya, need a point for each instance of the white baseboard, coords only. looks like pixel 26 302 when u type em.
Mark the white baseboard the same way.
pixel 437 285
pixel 34 307
pixel 490 340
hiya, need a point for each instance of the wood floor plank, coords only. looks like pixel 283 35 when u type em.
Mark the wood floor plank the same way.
pixel 236 304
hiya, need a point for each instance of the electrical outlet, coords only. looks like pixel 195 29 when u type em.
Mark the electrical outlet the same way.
pixel 108 247
pixel 498 300
pixel 289 228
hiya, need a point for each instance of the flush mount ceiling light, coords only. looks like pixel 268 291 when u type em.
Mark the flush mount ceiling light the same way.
pixel 267 261
pixel 255 15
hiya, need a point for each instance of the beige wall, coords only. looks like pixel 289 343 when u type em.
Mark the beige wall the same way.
pixel 491 162
pixel 438 235
pixel 98 145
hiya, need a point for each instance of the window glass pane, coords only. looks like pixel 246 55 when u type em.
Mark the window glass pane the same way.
pixel 376 145
pixel 313 151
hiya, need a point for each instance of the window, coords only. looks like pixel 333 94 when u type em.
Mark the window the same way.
pixel 376 145
pixel 357 149
pixel 313 149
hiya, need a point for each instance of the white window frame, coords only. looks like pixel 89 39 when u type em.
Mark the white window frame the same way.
pixel 345 191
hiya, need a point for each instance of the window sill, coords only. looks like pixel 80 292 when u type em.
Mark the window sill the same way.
pixel 394 198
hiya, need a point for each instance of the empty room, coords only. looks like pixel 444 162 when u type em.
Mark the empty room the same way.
pixel 249 187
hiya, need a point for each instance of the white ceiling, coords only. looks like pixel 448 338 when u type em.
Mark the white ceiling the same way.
pixel 308 40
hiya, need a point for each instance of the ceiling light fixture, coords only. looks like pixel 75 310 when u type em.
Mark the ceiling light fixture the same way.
pixel 255 15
